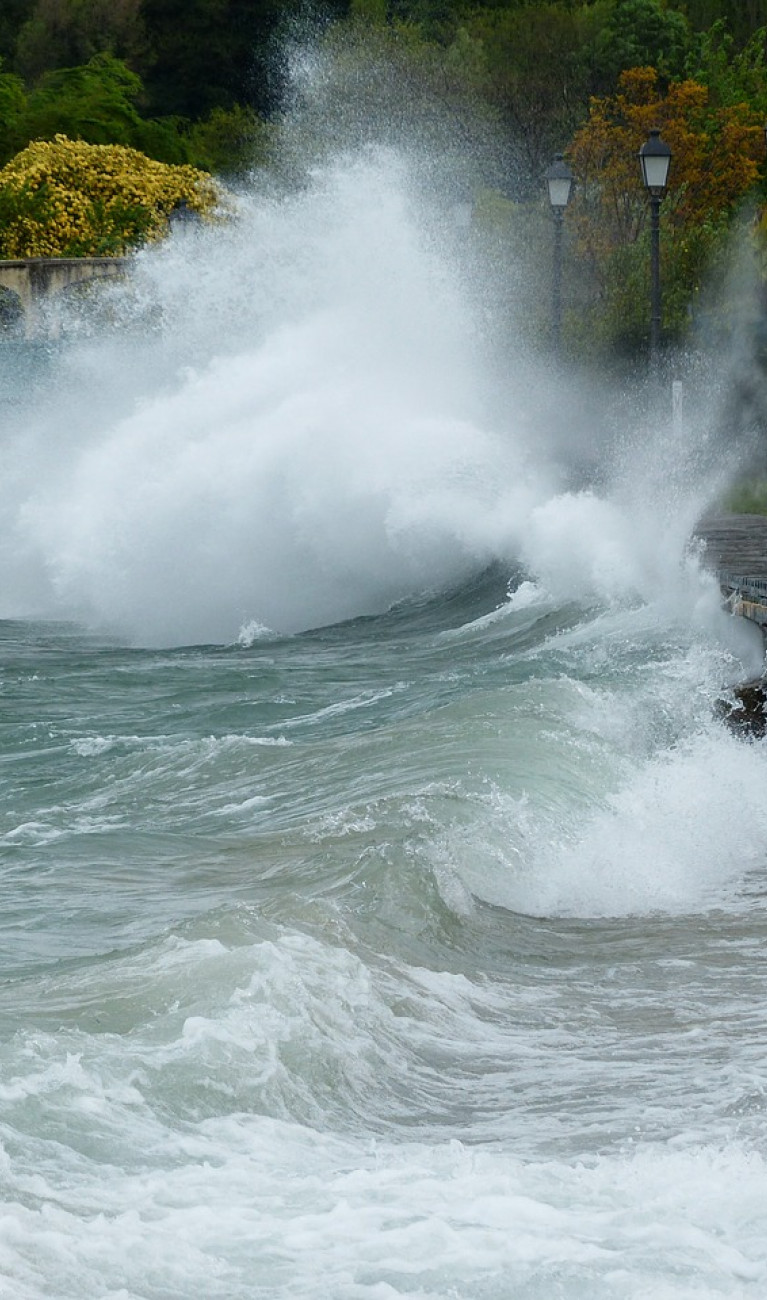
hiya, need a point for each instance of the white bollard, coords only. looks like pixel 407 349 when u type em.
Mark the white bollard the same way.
pixel 677 405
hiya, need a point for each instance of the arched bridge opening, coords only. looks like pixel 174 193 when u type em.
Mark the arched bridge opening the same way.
pixel 33 280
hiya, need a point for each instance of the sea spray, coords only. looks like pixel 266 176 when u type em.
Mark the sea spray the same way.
pixel 324 438
pixel 324 461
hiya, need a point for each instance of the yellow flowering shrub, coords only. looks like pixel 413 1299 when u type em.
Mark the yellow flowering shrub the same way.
pixel 66 198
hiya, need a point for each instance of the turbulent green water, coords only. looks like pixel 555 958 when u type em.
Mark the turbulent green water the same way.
pixel 383 902
pixel 313 981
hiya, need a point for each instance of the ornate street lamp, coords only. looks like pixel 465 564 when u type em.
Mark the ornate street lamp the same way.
pixel 559 180
pixel 655 157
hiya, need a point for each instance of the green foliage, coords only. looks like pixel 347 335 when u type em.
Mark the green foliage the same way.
pixel 733 75
pixel 689 257
pixel 741 18
pixel 13 15
pixel 192 55
pixel 370 11
pixel 208 54
pixel 617 318
pixel 616 309
pixel 12 110
pixel 163 138
pixel 229 141
pixel 100 102
pixel 96 102
pixel 747 498
pixel 639 34
pixel 63 33
pixel 534 72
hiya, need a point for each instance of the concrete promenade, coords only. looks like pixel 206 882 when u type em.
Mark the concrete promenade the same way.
pixel 736 548
pixel 736 543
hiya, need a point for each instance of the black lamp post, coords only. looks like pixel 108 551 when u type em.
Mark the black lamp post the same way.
pixel 559 179
pixel 183 219
pixel 655 157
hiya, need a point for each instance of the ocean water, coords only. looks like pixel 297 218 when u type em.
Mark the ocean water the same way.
pixel 383 898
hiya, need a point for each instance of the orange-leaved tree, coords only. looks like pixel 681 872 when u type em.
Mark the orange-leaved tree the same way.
pixel 716 157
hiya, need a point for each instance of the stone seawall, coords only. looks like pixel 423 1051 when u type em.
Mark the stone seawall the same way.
pixel 737 545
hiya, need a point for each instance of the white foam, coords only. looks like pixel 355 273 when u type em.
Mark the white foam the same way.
pixel 152 1140
pixel 337 443
pixel 252 632
pixel 678 832
pixel 249 1197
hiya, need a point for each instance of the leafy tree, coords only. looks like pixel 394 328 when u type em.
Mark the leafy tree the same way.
pixel 97 102
pixel 13 103
pixel 100 102
pixel 437 20
pixel 63 33
pixel 716 155
pixel 64 198
pixel 229 141
pixel 94 102
pixel 741 18
pixel 733 74
pixel 210 54
pixel 535 76
pixel 639 33
pixel 13 14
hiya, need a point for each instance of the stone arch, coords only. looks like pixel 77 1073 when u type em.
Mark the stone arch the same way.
pixel 35 279
pixel 11 313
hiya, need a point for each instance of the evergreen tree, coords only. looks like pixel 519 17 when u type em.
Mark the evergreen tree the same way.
pixel 64 33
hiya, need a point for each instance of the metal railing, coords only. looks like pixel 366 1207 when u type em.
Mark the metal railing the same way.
pixel 744 585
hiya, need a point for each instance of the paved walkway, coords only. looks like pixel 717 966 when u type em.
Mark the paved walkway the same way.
pixel 736 543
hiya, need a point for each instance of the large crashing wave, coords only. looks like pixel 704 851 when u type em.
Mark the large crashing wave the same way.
pixel 318 428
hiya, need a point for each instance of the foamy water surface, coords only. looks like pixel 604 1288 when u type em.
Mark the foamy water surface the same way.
pixel 383 895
